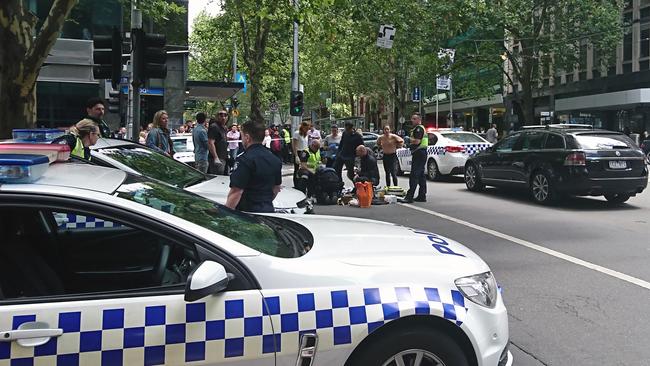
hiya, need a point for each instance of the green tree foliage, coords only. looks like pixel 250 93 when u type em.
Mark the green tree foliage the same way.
pixel 537 39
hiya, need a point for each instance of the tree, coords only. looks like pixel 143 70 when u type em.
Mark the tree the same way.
pixel 539 38
pixel 23 52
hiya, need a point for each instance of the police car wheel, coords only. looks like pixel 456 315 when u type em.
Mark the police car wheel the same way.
pixel 414 346
pixel 432 170
pixel 617 197
pixel 473 179
pixel 541 188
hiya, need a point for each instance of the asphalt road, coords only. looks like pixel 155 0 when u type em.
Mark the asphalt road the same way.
pixel 575 276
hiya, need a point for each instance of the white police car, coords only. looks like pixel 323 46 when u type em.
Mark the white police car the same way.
pixel 138 159
pixel 183 148
pixel 447 153
pixel 98 266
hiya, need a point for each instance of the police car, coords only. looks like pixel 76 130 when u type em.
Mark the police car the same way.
pixel 183 148
pixel 139 159
pixel 447 152
pixel 98 266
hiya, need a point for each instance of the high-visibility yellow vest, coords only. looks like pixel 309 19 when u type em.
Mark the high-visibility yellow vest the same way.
pixel 425 137
pixel 313 160
pixel 79 150
pixel 287 137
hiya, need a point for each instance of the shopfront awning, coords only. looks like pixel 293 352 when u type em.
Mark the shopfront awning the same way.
pixel 604 101
pixel 211 90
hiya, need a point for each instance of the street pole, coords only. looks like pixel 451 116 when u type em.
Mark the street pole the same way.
pixel 295 85
pixel 234 73
pixel 134 86
pixel 436 104
pixel 451 101
pixel 420 100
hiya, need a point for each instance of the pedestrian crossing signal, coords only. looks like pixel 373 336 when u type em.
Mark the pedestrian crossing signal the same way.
pixel 296 103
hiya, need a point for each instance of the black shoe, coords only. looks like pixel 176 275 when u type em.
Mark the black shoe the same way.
pixel 420 199
pixel 405 200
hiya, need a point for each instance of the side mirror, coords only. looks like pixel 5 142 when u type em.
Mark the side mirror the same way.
pixel 206 279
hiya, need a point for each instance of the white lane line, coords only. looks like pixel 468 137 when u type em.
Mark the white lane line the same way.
pixel 539 248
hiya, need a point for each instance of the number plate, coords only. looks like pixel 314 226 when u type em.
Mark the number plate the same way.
pixel 617 164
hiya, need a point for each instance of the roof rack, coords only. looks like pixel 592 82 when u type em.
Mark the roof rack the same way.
pixel 560 125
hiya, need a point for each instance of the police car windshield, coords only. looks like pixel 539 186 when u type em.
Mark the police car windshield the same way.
pixel 463 137
pixel 243 228
pixel 155 165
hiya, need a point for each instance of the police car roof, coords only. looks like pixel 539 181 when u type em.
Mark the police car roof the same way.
pixel 75 175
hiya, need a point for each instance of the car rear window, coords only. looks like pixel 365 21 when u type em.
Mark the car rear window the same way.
pixel 604 141
pixel 463 137
pixel 180 145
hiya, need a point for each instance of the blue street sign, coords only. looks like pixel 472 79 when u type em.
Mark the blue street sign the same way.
pixel 146 91
pixel 416 94
pixel 240 77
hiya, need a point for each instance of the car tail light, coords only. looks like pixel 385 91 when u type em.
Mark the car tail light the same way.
pixel 576 159
pixel 454 149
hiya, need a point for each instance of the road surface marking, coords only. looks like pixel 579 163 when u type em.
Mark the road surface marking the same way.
pixel 539 248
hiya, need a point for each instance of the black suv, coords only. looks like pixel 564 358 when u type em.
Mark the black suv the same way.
pixel 554 160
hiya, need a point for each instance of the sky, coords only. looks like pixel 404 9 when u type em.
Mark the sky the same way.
pixel 195 7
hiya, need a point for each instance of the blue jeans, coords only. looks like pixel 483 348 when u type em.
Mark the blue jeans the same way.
pixel 233 153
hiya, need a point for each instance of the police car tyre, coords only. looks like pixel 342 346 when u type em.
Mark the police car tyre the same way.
pixel 473 179
pixel 617 197
pixel 432 170
pixel 379 153
pixel 428 345
pixel 541 188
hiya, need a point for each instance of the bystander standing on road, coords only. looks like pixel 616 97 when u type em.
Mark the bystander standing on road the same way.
pixel 492 134
pixel 267 139
pixel 80 138
pixel 314 133
pixel 257 176
pixel 217 144
pixel 418 145
pixel 368 170
pixel 200 140
pixel 299 142
pixel 234 137
pixel 389 143
pixel 331 144
pixel 286 148
pixel 346 153
pixel 95 110
pixel 276 142
pixel 158 138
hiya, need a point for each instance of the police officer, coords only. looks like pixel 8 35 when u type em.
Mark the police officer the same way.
pixel 257 176
pixel 80 138
pixel 418 146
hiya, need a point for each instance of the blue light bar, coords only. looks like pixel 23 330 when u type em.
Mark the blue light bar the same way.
pixel 36 134
pixel 17 168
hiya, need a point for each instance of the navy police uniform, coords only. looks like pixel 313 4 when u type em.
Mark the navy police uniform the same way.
pixel 257 171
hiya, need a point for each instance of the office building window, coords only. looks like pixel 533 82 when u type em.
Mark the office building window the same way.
pixel 645 42
pixel 627 68
pixel 644 65
pixel 627 47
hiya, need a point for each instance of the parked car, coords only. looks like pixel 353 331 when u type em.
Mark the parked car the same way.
pixel 139 159
pixel 370 141
pixel 447 153
pixel 183 148
pixel 645 146
pixel 561 160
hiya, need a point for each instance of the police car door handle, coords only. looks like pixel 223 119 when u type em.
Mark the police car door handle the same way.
pixel 13 335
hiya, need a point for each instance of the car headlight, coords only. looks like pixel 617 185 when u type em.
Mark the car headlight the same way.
pixel 480 289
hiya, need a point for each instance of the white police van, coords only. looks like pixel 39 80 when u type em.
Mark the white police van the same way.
pixel 98 266
pixel 447 152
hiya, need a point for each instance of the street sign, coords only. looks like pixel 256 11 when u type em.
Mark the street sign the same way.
pixel 386 36
pixel 273 107
pixel 416 94
pixel 443 82
pixel 240 77
pixel 235 112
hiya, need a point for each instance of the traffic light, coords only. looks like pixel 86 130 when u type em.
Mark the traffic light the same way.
pixel 150 56
pixel 107 57
pixel 296 103
pixel 114 101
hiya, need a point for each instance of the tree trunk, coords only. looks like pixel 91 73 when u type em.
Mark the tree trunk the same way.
pixel 256 103
pixel 21 56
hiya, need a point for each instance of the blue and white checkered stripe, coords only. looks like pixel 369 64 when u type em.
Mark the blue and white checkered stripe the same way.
pixel 472 149
pixel 436 150
pixel 345 316
pixel 402 153
pixel 74 221
pixel 235 325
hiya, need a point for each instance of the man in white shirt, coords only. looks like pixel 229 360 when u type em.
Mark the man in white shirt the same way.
pixel 314 134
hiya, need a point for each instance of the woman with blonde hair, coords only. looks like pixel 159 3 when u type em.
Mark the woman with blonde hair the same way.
pixel 80 138
pixel 158 138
